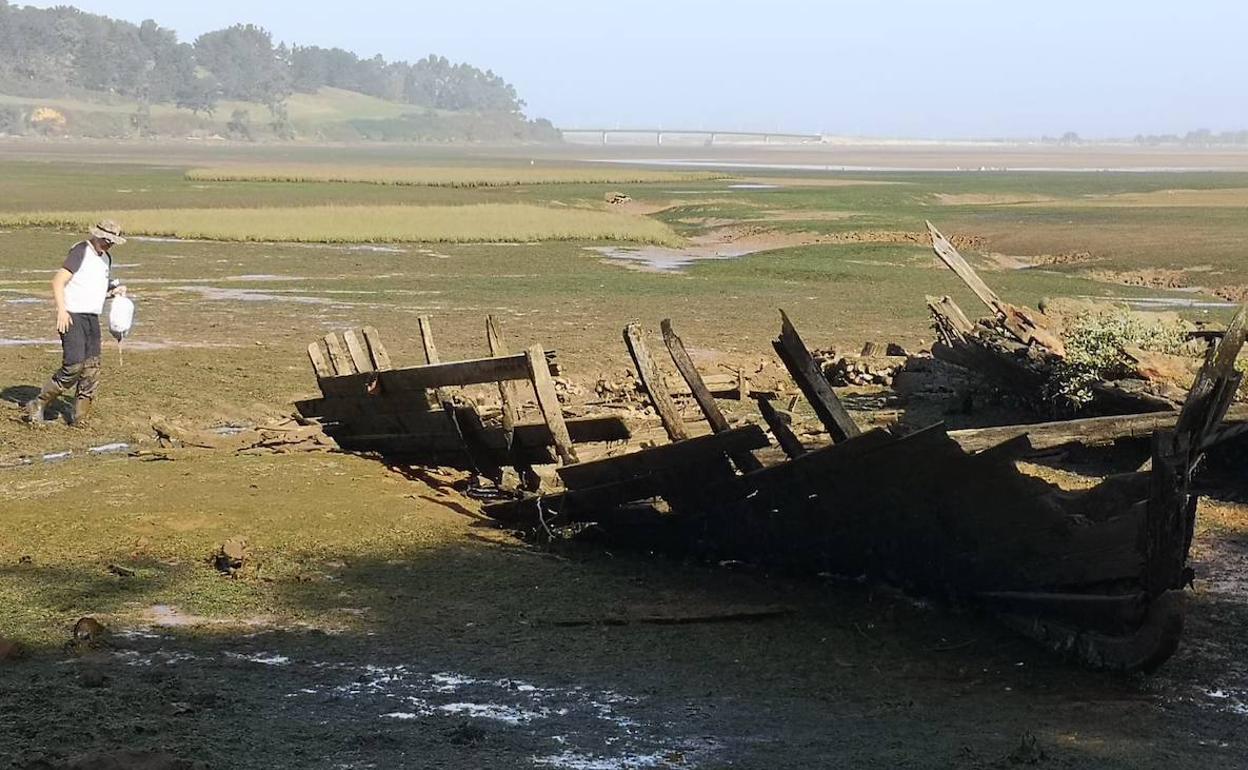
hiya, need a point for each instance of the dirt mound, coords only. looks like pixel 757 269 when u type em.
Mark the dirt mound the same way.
pixel 1154 278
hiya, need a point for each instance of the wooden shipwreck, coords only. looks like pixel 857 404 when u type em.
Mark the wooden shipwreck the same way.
pixel 1095 574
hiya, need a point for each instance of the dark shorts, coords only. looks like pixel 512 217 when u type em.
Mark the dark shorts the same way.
pixel 82 341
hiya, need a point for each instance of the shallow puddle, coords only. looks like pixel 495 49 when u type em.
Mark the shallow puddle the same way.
pixel 663 260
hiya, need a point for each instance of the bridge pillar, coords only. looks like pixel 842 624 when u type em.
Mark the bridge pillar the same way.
pixel 604 138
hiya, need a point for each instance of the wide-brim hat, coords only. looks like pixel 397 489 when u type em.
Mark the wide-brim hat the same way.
pixel 107 230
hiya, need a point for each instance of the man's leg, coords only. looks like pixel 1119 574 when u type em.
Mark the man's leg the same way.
pixel 90 377
pixel 74 353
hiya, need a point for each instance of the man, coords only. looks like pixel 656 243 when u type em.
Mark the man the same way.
pixel 80 288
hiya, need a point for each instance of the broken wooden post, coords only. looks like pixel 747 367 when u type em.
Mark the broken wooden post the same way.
pixel 1019 322
pixel 744 461
pixel 426 339
pixel 652 380
pixel 381 358
pixel 509 398
pixel 809 377
pixel 951 323
pixel 1214 389
pixel 780 429
pixel 506 388
pixel 320 365
pixel 440 396
pixel 338 355
pixel 950 256
pixel 548 403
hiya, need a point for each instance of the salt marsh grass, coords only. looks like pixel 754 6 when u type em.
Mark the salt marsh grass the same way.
pixel 371 224
pixel 448 176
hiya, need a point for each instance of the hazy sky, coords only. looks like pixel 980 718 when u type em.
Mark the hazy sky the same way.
pixel 904 68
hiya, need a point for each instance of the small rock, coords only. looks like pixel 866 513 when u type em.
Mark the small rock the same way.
pixel 231 556
pixel 89 631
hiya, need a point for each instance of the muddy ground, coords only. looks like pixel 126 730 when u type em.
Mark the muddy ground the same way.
pixel 380 622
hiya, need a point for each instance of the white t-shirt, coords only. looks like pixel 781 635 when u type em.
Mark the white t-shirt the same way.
pixel 88 288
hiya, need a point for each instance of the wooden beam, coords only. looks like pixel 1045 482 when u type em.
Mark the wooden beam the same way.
pixel 950 256
pixel 780 429
pixel 663 459
pixel 320 365
pixel 338 355
pixel 745 461
pixel 421 378
pixel 359 354
pixel 381 359
pixel 652 380
pixel 548 402
pixel 809 377
pixel 1091 430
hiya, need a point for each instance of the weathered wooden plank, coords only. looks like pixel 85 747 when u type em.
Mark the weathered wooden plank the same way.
pixel 320 365
pixel 439 447
pixel 338 355
pixel 381 358
pixel 426 340
pixel 548 402
pixel 420 378
pixel 359 354
pixel 780 429
pixel 951 322
pixel 652 380
pixel 950 256
pixel 506 388
pixel 809 378
pixel 663 459
pixel 745 461
pixel 1091 430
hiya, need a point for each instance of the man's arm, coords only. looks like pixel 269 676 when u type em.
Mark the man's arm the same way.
pixel 63 319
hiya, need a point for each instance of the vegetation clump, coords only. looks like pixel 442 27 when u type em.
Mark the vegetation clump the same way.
pixel 373 224
pixel 432 176
pixel 1096 350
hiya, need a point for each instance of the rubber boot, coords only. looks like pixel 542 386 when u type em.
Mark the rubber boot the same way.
pixel 82 411
pixel 36 406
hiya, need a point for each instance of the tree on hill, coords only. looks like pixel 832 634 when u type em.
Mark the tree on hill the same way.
pixel 245 63
pixel 47 52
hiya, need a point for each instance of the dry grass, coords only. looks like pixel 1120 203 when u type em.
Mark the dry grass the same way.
pixel 371 224
pixel 450 176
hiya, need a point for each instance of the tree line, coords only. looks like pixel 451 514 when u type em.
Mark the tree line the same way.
pixel 64 47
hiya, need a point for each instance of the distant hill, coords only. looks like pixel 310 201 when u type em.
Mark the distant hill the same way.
pixel 139 80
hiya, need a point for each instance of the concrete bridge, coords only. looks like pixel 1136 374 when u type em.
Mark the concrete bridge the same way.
pixel 709 137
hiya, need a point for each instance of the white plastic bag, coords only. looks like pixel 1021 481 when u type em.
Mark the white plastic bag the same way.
pixel 120 317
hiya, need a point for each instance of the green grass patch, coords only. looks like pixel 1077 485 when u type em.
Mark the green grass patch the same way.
pixel 444 176
pixel 372 224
